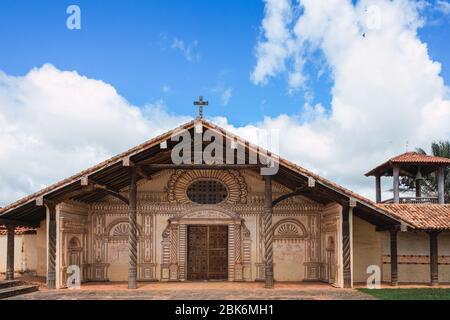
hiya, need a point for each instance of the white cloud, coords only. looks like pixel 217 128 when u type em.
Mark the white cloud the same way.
pixel 443 6
pixel 189 51
pixel 273 50
pixel 55 123
pixel 386 89
pixel 225 94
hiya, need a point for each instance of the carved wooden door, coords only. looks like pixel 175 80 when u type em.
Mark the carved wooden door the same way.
pixel 207 253
pixel 217 252
pixel 197 253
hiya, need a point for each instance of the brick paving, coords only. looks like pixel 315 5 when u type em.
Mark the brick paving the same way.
pixel 198 291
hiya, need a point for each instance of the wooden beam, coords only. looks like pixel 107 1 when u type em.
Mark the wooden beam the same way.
pixel 440 182
pixel 418 188
pixel 91 187
pixel 299 191
pixel 434 264
pixel 378 188
pixel 18 223
pixel 394 263
pixel 387 228
pixel 202 166
pixel 84 181
pixel 10 253
pixel 126 162
pixel 40 201
pixel 140 171
pixel 396 184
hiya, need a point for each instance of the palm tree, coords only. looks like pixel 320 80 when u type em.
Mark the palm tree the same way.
pixel 429 183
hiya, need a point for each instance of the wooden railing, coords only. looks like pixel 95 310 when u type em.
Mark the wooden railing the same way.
pixel 414 200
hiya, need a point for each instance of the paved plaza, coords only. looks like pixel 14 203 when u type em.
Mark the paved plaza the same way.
pixel 198 291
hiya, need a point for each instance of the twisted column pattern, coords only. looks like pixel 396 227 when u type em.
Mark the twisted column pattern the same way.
pixel 346 247
pixel 51 270
pixel 268 234
pixel 132 270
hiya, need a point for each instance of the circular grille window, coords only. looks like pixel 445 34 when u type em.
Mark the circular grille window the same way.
pixel 207 192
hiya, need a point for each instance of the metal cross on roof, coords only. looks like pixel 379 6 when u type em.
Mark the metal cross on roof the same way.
pixel 200 103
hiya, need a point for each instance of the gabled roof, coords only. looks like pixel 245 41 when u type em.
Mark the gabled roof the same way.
pixel 410 159
pixel 421 216
pixel 111 172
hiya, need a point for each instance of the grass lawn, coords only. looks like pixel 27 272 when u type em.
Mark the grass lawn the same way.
pixel 409 294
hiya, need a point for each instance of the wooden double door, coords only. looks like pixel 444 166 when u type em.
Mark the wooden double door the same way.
pixel 207 252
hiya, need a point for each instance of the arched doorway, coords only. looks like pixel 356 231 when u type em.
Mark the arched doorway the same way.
pixel 330 260
pixel 74 252
pixel 206 235
pixel 289 250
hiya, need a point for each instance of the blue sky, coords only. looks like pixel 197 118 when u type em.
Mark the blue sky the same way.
pixel 129 45
pixel 386 88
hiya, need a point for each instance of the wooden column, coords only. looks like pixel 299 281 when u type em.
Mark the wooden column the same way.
pixel 394 263
pixel 132 269
pixel 378 188
pixel 268 234
pixel 10 253
pixel 51 265
pixel 418 188
pixel 346 247
pixel 396 184
pixel 434 269
pixel 440 182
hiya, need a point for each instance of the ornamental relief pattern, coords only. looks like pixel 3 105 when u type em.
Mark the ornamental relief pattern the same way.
pixel 174 245
pixel 232 179
pixel 289 229
pixel 415 259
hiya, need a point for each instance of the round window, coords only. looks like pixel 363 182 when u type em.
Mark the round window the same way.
pixel 207 192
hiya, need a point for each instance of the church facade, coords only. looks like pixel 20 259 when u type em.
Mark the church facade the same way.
pixel 139 217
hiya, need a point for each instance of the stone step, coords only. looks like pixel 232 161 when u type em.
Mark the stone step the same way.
pixel 10 283
pixel 17 290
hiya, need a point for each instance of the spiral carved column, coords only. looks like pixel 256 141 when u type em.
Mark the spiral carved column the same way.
pixel 132 269
pixel 346 248
pixel 268 234
pixel 51 269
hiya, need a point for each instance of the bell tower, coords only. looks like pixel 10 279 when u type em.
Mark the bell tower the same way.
pixel 416 166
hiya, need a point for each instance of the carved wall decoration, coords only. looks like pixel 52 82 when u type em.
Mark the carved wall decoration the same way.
pixel 174 243
pixel 330 261
pixel 121 230
pixel 246 252
pixel 289 229
pixel 73 233
pixel 301 225
pixel 329 239
pixel 232 180
pixel 415 259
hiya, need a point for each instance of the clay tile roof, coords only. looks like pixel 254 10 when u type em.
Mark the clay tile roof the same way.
pixel 410 158
pixel 419 158
pixel 421 216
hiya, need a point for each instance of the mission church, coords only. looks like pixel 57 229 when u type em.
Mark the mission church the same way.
pixel 141 217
